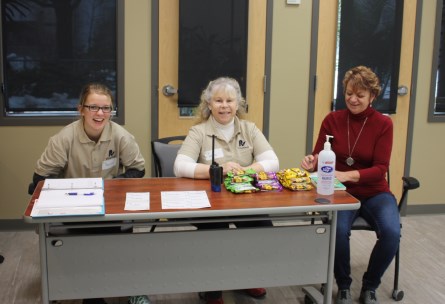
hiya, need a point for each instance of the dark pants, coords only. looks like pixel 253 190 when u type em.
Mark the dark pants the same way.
pixel 381 213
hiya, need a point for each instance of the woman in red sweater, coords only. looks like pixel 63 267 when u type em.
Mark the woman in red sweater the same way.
pixel 362 143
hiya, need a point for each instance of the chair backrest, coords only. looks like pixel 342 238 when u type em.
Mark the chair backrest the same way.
pixel 164 152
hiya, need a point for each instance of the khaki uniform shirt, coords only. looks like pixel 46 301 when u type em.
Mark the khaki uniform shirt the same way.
pixel 247 142
pixel 71 154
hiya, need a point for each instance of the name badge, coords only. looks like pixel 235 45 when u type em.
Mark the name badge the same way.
pixel 218 154
pixel 109 163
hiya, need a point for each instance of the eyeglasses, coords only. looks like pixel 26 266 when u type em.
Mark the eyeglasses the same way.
pixel 94 108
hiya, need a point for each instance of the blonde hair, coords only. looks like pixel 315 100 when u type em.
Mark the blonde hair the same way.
pixel 362 78
pixel 229 86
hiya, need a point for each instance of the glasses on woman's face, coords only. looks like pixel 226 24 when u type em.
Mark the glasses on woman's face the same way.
pixel 94 108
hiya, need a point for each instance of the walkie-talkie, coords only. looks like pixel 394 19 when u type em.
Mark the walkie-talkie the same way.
pixel 215 171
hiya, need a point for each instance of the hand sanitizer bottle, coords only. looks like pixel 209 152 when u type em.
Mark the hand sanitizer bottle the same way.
pixel 326 169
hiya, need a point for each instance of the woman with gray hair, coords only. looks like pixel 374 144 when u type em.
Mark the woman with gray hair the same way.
pixel 239 145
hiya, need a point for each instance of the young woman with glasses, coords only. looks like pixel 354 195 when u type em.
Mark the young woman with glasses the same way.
pixel 92 146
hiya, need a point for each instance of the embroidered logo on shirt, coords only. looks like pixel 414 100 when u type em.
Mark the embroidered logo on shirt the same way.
pixel 111 154
pixel 242 144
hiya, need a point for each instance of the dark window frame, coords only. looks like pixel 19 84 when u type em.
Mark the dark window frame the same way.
pixel 434 116
pixel 64 118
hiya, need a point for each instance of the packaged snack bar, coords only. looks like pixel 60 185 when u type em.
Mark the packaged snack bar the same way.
pixel 240 181
pixel 269 185
pixel 265 175
pixel 267 181
pixel 241 188
pixel 295 179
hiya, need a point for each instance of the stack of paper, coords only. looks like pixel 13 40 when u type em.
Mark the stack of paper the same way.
pixel 70 196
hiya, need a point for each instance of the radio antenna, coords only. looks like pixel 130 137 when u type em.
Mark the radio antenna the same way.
pixel 213 149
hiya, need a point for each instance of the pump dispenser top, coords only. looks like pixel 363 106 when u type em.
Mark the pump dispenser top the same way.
pixel 327 144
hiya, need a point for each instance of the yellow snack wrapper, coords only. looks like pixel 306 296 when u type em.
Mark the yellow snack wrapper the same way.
pixel 295 179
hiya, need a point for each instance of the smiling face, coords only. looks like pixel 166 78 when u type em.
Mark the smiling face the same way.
pixel 357 100
pixel 223 105
pixel 94 122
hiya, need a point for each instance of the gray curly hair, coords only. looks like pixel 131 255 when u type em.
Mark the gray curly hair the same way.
pixel 230 86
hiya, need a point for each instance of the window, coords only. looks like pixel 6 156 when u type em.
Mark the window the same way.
pixel 212 43
pixel 370 34
pixel 436 111
pixel 50 50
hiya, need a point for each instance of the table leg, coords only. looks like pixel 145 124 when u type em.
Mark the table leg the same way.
pixel 43 264
pixel 314 295
pixel 330 280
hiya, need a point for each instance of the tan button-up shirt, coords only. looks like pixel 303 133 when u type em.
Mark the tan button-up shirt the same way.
pixel 247 142
pixel 71 154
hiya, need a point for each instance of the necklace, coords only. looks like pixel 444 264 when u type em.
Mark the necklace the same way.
pixel 350 161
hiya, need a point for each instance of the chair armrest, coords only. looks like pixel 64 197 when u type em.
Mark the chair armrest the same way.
pixel 31 188
pixel 410 183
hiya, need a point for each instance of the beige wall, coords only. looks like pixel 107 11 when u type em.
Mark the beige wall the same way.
pixel 291 40
pixel 427 161
pixel 22 146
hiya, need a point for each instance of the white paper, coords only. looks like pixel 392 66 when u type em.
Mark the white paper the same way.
pixel 73 211
pixel 184 199
pixel 68 198
pixel 137 201
pixel 69 202
pixel 73 183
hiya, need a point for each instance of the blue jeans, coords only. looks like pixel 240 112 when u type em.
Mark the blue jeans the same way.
pixel 382 214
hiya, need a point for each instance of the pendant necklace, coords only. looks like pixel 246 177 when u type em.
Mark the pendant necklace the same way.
pixel 350 161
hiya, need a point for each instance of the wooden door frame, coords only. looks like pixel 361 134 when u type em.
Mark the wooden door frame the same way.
pixel 155 90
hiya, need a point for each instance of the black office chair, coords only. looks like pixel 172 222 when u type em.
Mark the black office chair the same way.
pixel 360 223
pixel 164 152
pixel 409 183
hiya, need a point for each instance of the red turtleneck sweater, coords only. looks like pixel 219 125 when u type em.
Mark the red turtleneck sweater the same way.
pixel 371 153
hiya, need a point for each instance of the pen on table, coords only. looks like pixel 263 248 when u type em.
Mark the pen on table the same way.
pixel 75 193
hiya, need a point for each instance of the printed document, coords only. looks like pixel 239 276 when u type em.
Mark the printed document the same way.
pixel 184 199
